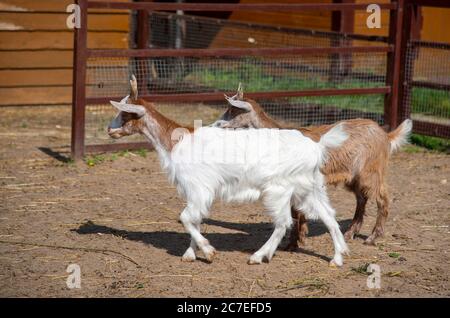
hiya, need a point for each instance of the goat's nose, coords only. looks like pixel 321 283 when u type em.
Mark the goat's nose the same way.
pixel 109 129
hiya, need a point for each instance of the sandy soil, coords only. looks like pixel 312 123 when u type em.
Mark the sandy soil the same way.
pixel 118 220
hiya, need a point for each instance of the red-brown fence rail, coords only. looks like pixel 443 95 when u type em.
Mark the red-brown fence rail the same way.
pixel 395 49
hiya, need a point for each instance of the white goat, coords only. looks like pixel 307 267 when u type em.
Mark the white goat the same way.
pixel 281 166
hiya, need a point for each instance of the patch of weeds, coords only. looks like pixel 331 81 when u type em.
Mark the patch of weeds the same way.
pixel 362 269
pixel 24 125
pixel 431 143
pixel 394 255
pixel 94 160
pixel 412 149
pixel 139 286
pixel 141 152
pixel 123 153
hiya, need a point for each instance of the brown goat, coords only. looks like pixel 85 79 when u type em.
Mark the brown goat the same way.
pixel 360 163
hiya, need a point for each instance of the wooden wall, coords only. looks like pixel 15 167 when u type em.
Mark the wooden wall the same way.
pixel 36 49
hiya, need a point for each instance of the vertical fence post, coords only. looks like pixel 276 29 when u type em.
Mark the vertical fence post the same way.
pixel 143 40
pixel 79 84
pixel 391 101
pixel 341 22
pixel 411 16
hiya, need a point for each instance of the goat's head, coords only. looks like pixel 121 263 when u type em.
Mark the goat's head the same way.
pixel 241 113
pixel 129 119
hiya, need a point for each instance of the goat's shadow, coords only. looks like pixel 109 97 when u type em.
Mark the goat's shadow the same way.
pixel 250 236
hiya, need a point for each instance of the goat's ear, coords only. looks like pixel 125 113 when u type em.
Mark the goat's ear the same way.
pixel 240 92
pixel 129 108
pixel 239 103
pixel 124 100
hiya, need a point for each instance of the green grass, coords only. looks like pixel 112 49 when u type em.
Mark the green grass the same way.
pixel 426 101
pixel 436 102
pixel 255 79
pixel 431 143
pixel 95 160
pixel 394 255
pixel 362 269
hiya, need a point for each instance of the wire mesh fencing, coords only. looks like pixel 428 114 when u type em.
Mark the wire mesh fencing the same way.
pixel 168 30
pixel 107 77
pixel 428 71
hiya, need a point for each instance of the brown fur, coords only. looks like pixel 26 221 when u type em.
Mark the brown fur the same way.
pixel 360 164
pixel 166 125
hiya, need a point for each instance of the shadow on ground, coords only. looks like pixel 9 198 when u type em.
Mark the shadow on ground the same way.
pixel 251 237
pixel 55 154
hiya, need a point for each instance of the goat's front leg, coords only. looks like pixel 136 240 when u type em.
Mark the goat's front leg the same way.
pixel 280 202
pixel 189 255
pixel 191 220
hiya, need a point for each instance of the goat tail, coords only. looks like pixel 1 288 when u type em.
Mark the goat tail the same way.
pixel 399 136
pixel 334 137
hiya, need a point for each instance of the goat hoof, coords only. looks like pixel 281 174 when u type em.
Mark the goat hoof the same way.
pixel 370 241
pixel 187 259
pixel 336 262
pixel 189 256
pixel 254 260
pixel 210 253
pixel 333 264
pixel 349 235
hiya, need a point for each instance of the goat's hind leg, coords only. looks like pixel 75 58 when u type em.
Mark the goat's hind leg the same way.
pixel 382 199
pixel 191 219
pixel 361 201
pixel 299 230
pixel 318 206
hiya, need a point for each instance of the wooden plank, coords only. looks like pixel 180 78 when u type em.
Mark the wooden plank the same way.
pixel 220 7
pixel 14 78
pixel 42 21
pixel 37 59
pixel 44 5
pixel 59 40
pixel 236 51
pixel 35 96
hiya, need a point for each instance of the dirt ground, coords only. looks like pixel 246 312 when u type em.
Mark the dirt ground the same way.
pixel 117 218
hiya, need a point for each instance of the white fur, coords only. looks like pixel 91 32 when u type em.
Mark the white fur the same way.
pixel 402 137
pixel 129 108
pixel 282 168
pixel 334 138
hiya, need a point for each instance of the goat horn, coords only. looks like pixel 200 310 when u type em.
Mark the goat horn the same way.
pixel 134 89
